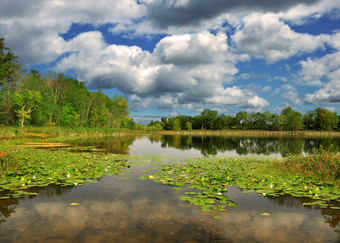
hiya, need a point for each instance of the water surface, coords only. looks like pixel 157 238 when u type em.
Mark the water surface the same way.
pixel 130 210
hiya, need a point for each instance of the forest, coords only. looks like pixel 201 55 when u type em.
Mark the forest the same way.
pixel 54 99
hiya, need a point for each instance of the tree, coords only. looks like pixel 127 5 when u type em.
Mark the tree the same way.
pixel 177 124
pixel 325 119
pixel 242 119
pixel 291 120
pixel 23 114
pixel 25 103
pixel 309 120
pixel 8 65
pixel 208 118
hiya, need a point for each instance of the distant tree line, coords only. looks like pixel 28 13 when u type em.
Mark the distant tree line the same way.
pixel 54 99
pixel 288 120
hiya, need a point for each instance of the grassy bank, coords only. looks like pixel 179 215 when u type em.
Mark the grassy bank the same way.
pixel 47 132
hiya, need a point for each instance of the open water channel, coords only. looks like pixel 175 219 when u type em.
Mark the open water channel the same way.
pixel 131 210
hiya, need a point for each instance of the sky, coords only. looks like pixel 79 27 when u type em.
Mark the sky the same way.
pixel 178 57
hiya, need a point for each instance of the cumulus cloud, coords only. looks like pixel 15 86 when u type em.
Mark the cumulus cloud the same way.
pixel 329 93
pixel 324 72
pixel 292 96
pixel 195 65
pixel 181 71
pixel 266 36
pixel 301 13
pixel 40 22
pixel 164 13
pixel 316 70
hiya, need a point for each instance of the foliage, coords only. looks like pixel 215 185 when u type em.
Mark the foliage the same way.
pixel 288 120
pixel 323 165
pixel 62 101
pixel 9 65
pixel 205 181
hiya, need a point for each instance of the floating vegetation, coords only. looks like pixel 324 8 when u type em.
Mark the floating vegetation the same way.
pixel 202 182
pixel 27 167
pixel 208 178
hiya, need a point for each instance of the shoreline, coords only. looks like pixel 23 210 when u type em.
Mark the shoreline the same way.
pixel 50 132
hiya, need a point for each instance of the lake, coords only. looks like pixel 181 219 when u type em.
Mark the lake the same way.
pixel 121 208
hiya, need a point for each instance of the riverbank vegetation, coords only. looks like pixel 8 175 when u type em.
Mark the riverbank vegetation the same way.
pixel 288 120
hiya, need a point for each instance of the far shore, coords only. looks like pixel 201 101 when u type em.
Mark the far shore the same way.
pixel 48 132
pixel 252 133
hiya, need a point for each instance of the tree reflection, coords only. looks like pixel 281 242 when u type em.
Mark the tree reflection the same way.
pixel 115 145
pixel 211 145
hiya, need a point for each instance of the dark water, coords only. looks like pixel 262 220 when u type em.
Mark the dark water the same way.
pixel 130 210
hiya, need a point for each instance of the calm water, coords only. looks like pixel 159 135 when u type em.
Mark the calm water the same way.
pixel 130 210
pixel 197 146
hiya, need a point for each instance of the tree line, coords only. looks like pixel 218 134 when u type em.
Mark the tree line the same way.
pixel 288 120
pixel 29 98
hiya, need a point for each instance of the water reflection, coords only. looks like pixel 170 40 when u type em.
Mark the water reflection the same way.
pixel 213 145
pixel 143 211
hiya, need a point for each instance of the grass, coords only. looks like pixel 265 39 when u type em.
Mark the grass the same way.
pixel 323 166
pixel 13 132
pixel 44 132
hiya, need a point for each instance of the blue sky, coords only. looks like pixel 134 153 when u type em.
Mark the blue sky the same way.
pixel 171 57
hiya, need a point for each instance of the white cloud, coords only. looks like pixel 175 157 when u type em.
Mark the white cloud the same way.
pixel 266 36
pixel 234 96
pixel 40 22
pixel 329 93
pixel 301 13
pixel 293 97
pixel 324 72
pixel 316 70
pixel 183 70
pixel 266 89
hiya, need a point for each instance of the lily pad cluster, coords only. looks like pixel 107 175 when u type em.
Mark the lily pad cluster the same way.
pixel 39 168
pixel 209 178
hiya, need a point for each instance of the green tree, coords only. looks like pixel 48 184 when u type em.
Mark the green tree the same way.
pixel 325 119
pixel 242 119
pixel 309 120
pixel 177 124
pixel 291 120
pixel 26 102
pixel 23 114
pixel 9 65
pixel 208 117
pixel 70 117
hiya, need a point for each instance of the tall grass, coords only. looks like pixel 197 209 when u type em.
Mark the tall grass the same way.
pixel 323 166
pixel 17 132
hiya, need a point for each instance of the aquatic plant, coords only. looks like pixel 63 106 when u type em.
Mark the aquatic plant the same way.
pixel 209 178
pixel 323 166
pixel 25 167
